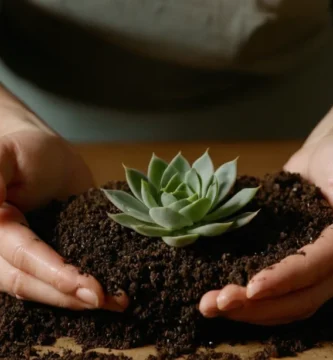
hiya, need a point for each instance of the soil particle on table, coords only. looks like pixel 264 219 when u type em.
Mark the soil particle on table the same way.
pixel 165 284
pixel 70 355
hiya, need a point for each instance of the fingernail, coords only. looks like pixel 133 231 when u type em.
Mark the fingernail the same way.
pixel 87 296
pixel 224 304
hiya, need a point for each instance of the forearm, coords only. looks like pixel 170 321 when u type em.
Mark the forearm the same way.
pixel 15 115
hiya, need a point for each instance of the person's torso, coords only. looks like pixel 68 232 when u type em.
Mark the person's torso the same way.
pixel 146 52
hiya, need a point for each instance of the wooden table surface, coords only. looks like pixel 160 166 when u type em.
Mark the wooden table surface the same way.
pixel 256 158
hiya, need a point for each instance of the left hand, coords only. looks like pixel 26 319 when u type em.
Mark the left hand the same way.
pixel 298 285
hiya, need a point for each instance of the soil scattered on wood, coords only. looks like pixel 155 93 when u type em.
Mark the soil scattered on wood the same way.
pixel 166 284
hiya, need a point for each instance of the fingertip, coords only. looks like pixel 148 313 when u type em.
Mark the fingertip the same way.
pixel 117 303
pixel 90 291
pixel 208 304
pixel 122 299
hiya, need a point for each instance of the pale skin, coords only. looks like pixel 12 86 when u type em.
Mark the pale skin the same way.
pixel 36 165
pixel 297 286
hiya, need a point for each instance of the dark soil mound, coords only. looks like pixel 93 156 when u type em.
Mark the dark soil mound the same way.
pixel 165 284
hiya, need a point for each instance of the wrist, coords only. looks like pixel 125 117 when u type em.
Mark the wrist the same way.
pixel 16 118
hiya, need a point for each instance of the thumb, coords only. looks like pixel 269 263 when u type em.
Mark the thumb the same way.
pixel 7 168
pixel 299 162
pixel 315 163
pixel 321 167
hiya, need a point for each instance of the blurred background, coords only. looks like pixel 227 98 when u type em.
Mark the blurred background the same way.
pixel 119 71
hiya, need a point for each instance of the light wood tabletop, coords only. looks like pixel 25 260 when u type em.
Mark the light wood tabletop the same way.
pixel 255 158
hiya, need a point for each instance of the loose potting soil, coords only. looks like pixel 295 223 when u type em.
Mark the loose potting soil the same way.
pixel 165 284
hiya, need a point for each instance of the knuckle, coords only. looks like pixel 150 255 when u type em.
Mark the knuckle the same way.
pixel 18 256
pixel 57 281
pixel 63 279
pixel 17 283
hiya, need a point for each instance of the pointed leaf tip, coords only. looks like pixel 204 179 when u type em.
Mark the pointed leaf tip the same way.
pixel 156 169
pixel 126 220
pixel 128 204
pixel 177 165
pixel 205 168
pixel 237 202
pixel 193 181
pixel 226 176
pixel 242 219
pixel 133 178
pixel 147 194
pixel 211 230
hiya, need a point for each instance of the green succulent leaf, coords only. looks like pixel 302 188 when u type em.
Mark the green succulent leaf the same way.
pixel 183 187
pixel 126 220
pixel 242 219
pixel 156 169
pixel 151 231
pixel 180 163
pixel 237 202
pixel 146 195
pixel 169 172
pixel 193 181
pixel 125 201
pixel 128 204
pixel 134 178
pixel 179 203
pixel 168 199
pixel 140 216
pixel 180 241
pixel 169 219
pixel 179 195
pixel 173 183
pixel 197 210
pixel 177 165
pixel 205 168
pixel 193 198
pixel 211 230
pixel 213 191
pixel 176 206
pixel 226 176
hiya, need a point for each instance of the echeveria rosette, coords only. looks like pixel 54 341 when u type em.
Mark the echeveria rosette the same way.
pixel 179 202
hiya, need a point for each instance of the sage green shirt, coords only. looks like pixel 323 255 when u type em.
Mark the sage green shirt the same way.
pixel 170 69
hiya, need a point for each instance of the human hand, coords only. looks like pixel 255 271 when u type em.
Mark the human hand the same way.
pixel 297 286
pixel 37 166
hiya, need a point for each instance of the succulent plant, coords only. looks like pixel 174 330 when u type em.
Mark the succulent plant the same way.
pixel 179 202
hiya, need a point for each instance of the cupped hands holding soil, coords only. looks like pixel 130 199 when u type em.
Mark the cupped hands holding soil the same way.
pixel 165 284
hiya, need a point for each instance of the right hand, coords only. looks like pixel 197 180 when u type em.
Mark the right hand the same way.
pixel 37 166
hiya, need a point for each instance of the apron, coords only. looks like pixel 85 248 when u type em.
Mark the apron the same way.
pixel 131 70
